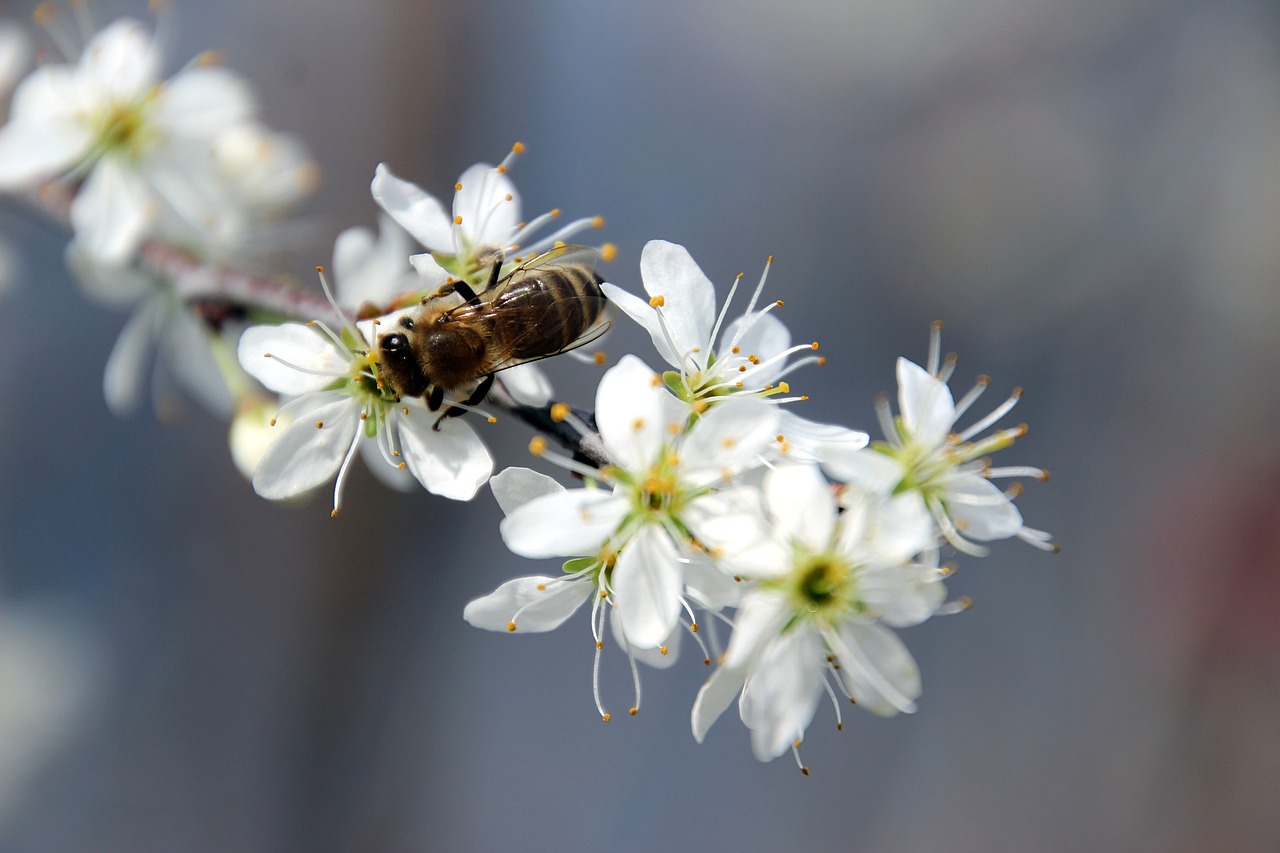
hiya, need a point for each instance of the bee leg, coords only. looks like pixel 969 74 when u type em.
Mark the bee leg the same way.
pixel 464 290
pixel 435 398
pixel 482 391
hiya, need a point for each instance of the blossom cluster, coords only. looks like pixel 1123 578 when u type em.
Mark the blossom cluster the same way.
pixel 702 498
pixel 811 542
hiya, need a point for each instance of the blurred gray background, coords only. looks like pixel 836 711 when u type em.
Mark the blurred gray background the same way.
pixel 1086 191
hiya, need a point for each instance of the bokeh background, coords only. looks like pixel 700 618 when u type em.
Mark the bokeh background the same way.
pixel 1086 191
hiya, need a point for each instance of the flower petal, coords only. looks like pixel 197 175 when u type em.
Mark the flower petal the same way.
pixel 418 213
pixel 305 455
pixel 646 581
pixel 303 359
pixel 528 384
pixel 640 311
pixel 515 487
pixel 713 698
pixel 488 205
pixel 928 410
pixel 979 509
pixel 801 505
pixel 112 212
pixel 126 372
pixel 202 101
pixel 632 413
pixel 366 269
pixel 782 692
pixel 826 444
pixel 450 461
pixel 120 62
pixel 876 668
pixel 729 438
pixel 765 337
pixel 661 656
pixel 760 620
pixel 870 469
pixel 533 604
pixel 566 523
pixel 690 299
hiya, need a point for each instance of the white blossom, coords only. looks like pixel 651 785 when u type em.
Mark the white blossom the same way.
pixel 924 456
pixel 481 227
pixel 143 147
pixel 713 361
pixel 827 578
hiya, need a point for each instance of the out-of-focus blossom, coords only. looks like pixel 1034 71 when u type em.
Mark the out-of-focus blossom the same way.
pixel 945 470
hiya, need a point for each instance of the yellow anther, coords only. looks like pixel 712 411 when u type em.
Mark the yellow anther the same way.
pixel 559 411
pixel 333 513
pixel 606 717
pixel 784 387
pixel 736 350
pixel 457 220
pixel 822 359
pixel 555 211
pixel 209 57
pixel 638 424
pixel 608 252
pixel 511 626
pixel 537 445
pixel 662 649
pixel 319 268
pixel 657 301
pixel 778 303
pixel 597 222
pixel 518 148
pixel 271 422
pixel 509 197
pixel 598 358
pixel 319 424
pixel 634 710
pixel 457 187
pixel 813 345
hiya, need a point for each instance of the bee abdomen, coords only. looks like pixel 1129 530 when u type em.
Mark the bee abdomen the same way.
pixel 568 301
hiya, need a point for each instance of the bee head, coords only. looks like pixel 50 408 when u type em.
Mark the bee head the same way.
pixel 398 366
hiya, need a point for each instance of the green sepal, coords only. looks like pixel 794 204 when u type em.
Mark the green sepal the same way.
pixel 676 385
pixel 578 564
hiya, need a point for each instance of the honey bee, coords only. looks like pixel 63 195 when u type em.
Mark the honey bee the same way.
pixel 548 305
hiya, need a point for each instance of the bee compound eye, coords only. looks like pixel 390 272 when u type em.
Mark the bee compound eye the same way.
pixel 396 343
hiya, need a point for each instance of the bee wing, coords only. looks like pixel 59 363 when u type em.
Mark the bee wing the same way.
pixel 592 332
pixel 567 255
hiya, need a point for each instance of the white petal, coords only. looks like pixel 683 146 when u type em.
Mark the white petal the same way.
pixel 186 349
pixel 108 285
pixel 877 669
pixel 713 698
pixel 489 206
pixel 112 212
pixel 869 468
pixel 640 311
pixel 203 101
pixel 732 525
pixel 980 509
pixel 632 413
pixel 885 530
pixel 44 136
pixel 902 595
pixel 646 580
pixel 15 55
pixel 121 61
pixel 782 692
pixel 303 456
pixel 757 623
pixel 301 346
pixel 801 505
pixel 928 410
pixel 690 299
pixel 126 372
pixel 418 213
pixel 729 438
pixel 391 476
pixel 567 523
pixel 450 461
pixel 369 270
pixel 515 487
pixel 536 603
pixel 654 657
pixel 826 444
pixel 528 384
